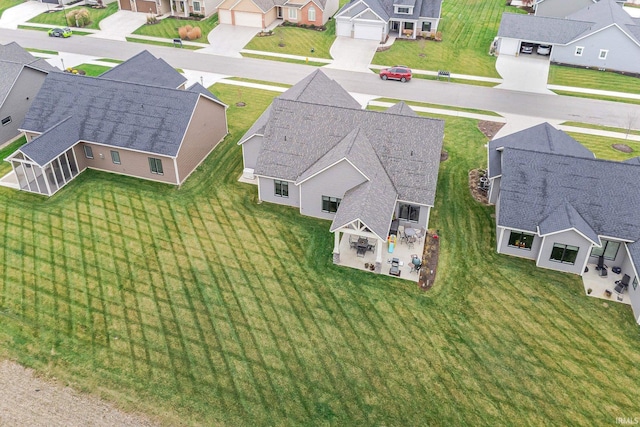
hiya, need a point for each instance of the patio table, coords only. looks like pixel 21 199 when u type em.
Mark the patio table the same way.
pixel 409 232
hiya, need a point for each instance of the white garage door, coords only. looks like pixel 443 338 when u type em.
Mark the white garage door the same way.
pixel 248 19
pixel 224 16
pixel 508 46
pixel 367 31
pixel 343 28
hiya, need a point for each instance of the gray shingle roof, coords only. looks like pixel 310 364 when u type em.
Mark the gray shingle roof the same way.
pixel 541 138
pixel 320 89
pixel 53 142
pixel 634 160
pixel 127 115
pixel 13 59
pixel 267 5
pixel 385 8
pixel 604 13
pixel 401 108
pixel 604 193
pixel 298 134
pixel 565 217
pixel 541 29
pixel 352 9
pixel 9 72
pixel 145 68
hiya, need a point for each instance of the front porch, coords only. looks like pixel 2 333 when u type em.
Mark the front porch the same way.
pixel 348 256
pixel 600 285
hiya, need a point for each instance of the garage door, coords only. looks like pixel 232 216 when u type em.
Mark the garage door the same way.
pixel 224 16
pixel 125 5
pixel 367 32
pixel 50 1
pixel 343 28
pixel 147 7
pixel 247 19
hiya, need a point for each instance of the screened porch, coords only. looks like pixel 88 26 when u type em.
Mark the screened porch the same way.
pixel 47 179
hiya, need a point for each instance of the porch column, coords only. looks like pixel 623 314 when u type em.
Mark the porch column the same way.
pixel 379 256
pixel 336 247
pixel 46 179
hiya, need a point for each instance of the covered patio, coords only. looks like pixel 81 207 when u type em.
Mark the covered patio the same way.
pixel 47 179
pixel 603 287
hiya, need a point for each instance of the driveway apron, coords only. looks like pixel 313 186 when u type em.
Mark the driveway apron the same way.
pixel 525 73
pixel 352 54
pixel 16 15
pixel 119 25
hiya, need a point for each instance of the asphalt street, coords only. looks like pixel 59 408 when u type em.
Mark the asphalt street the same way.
pixel 552 107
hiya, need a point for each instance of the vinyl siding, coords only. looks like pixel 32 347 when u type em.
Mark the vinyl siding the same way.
pixel 504 247
pixel 19 100
pixel 250 150
pixel 333 182
pixel 207 128
pixel 622 56
pixel 634 294
pixel 267 193
pixel 566 238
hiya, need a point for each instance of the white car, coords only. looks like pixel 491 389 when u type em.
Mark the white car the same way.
pixel 544 49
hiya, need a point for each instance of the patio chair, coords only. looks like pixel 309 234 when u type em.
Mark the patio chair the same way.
pixel 621 285
pixel 410 242
pixel 401 235
pixel 420 234
pixel 353 241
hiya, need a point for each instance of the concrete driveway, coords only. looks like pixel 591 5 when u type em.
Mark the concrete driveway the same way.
pixel 525 73
pixel 352 54
pixel 119 25
pixel 228 40
pixel 23 12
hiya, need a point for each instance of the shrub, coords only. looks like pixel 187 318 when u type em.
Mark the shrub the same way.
pixel 151 19
pixel 195 33
pixel 189 33
pixel 79 17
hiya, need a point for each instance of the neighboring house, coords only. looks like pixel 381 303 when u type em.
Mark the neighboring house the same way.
pixel 144 68
pixel 376 19
pixel 601 35
pixel 560 8
pixel 179 8
pixel 147 131
pixel 262 13
pixel 315 149
pixel 562 208
pixel 21 76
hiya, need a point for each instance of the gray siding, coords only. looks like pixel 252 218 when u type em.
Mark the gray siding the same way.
pixel 423 218
pixel 560 8
pixel 494 191
pixel 566 238
pixel 268 193
pixel 250 149
pixel 634 294
pixel 504 247
pixel 621 257
pixel 19 100
pixel 623 52
pixel 333 182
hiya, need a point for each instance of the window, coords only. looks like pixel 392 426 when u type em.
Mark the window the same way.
pixel 403 10
pixel 293 13
pixel 579 50
pixel 115 157
pixel 196 6
pixel 608 249
pixel 565 254
pixel 520 240
pixel 156 166
pixel 6 120
pixel 311 14
pixel 330 204
pixel 603 54
pixel 635 283
pixel 426 26
pixel 88 152
pixel 282 188
pixel 409 213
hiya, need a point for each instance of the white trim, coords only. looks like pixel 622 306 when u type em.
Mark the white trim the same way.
pixel 605 51
pixel 602 29
pixel 575 52
pixel 368 20
pixel 330 166
pixel 499 242
pixel 570 229
pixel 586 261
pixel 175 166
pixel 615 238
pixel 241 142
pixel 544 238
pixel 413 203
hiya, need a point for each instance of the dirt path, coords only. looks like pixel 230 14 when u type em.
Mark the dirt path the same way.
pixel 29 401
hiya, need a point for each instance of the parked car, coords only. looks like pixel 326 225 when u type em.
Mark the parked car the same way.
pixel 60 32
pixel 396 73
pixel 544 49
pixel 526 48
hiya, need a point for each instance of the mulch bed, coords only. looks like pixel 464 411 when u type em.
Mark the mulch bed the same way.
pixel 429 260
pixel 622 147
pixel 444 155
pixel 481 196
pixel 489 129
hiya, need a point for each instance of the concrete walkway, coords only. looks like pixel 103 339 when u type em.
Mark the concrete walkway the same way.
pixel 23 12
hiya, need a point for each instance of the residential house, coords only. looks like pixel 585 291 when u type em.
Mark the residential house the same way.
pixel 315 149
pixel 559 206
pixel 178 8
pixel 21 76
pixel 148 131
pixel 376 19
pixel 560 8
pixel 601 35
pixel 262 13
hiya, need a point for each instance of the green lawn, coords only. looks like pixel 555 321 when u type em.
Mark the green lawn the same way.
pixel 92 70
pixel 592 79
pixel 5 167
pixel 468 27
pixel 45 29
pixel 168 28
pixel 280 59
pixel 6 4
pixel 608 128
pixel 601 146
pixel 297 41
pixel 166 44
pixel 600 97
pixel 58 18
pixel 202 307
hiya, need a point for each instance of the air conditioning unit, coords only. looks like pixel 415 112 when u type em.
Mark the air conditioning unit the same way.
pixel 247 173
